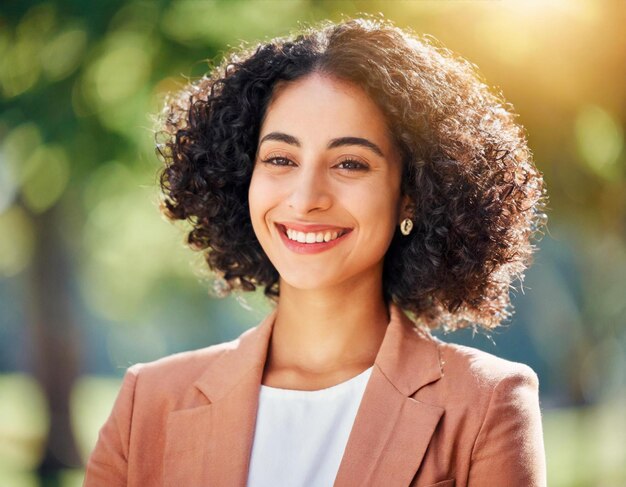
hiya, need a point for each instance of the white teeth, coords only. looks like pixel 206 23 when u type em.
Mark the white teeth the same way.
pixel 311 237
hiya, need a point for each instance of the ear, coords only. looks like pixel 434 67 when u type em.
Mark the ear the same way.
pixel 407 208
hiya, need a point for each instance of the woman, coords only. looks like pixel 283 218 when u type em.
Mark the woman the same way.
pixel 374 187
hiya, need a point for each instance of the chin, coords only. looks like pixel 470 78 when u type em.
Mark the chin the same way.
pixel 307 282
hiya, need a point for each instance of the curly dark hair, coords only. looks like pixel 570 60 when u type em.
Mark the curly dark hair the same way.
pixel 477 198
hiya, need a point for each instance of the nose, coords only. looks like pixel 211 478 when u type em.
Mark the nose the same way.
pixel 311 190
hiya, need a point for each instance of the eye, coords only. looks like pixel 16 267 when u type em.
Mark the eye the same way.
pixel 277 161
pixel 353 165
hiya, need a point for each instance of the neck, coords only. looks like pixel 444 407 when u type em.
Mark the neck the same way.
pixel 325 330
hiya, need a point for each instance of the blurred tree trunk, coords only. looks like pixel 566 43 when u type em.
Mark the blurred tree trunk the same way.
pixel 54 341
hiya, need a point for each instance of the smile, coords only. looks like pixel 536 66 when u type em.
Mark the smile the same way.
pixel 311 242
pixel 313 237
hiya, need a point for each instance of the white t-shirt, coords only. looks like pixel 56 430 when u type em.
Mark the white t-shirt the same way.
pixel 300 436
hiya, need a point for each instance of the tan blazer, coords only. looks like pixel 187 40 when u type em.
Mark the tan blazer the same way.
pixel 432 414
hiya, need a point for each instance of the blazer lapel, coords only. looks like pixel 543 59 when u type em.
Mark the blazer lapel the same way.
pixel 210 445
pixel 392 430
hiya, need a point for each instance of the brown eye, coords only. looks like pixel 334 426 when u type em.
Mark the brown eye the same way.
pixel 352 165
pixel 277 161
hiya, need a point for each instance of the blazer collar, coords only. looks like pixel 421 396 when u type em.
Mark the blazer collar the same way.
pixel 211 444
pixel 243 355
pixel 408 356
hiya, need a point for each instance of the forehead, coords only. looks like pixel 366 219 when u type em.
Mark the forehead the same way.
pixel 319 107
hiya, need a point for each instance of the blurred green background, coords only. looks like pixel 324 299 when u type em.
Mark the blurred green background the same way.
pixel 92 279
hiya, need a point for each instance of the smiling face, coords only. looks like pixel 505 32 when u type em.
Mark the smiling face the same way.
pixel 325 190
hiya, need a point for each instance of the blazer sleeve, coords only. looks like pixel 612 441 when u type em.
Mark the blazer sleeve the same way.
pixel 509 448
pixel 108 462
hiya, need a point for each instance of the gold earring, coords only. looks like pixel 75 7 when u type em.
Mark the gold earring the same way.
pixel 406 226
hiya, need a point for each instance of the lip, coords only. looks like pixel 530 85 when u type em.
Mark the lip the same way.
pixel 310 248
pixel 303 227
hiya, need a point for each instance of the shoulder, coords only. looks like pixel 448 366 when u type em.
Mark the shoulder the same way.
pixel 494 404
pixel 191 378
pixel 175 374
pixel 494 401
pixel 475 374
pixel 482 366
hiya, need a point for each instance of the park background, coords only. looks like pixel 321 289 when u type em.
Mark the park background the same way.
pixel 93 279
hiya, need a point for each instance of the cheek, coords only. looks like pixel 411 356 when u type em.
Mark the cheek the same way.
pixel 255 200
pixel 260 200
pixel 377 207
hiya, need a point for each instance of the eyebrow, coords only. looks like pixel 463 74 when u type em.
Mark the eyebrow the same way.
pixel 339 142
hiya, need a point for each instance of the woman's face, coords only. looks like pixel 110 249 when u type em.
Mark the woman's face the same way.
pixel 328 174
